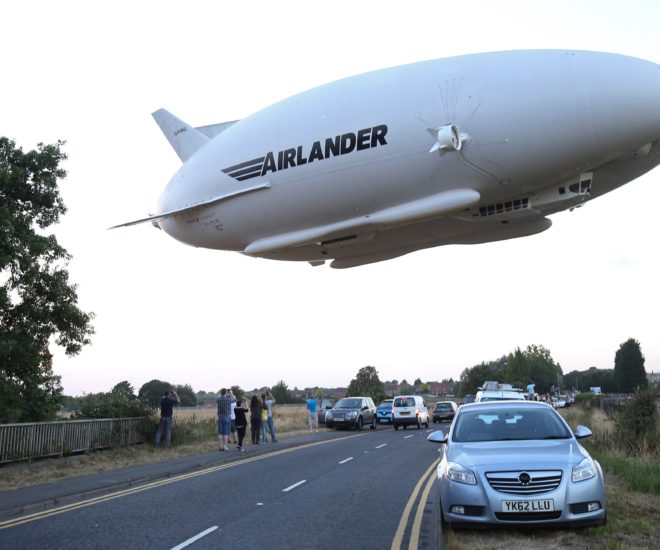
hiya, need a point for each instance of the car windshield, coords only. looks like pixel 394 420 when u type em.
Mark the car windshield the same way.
pixel 404 402
pixel 347 403
pixel 513 423
pixel 385 404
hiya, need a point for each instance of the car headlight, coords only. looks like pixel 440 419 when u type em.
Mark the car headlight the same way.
pixel 352 414
pixel 328 414
pixel 584 470
pixel 457 473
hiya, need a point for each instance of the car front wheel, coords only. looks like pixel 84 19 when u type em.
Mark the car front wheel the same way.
pixel 358 424
pixel 373 424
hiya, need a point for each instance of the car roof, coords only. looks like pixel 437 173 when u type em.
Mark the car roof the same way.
pixel 509 404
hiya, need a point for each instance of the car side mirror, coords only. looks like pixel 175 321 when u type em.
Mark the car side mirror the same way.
pixel 328 407
pixel 437 437
pixel 365 408
pixel 581 432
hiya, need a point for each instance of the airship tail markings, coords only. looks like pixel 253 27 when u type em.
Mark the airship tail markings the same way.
pixel 184 139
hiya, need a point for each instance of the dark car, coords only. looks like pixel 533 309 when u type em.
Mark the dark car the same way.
pixel 469 399
pixel 352 412
pixel 384 411
pixel 324 407
pixel 444 410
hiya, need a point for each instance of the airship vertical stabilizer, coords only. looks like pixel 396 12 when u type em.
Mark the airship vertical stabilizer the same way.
pixel 183 138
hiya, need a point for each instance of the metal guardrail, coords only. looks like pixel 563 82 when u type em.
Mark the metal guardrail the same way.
pixel 41 439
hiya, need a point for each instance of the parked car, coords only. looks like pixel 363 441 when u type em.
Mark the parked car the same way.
pixel 468 399
pixel 384 411
pixel 517 463
pixel 444 410
pixel 495 391
pixel 352 412
pixel 324 407
pixel 409 410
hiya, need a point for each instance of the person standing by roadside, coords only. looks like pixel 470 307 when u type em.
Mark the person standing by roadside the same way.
pixel 224 419
pixel 264 418
pixel 270 401
pixel 311 413
pixel 240 422
pixel 255 418
pixel 167 402
pixel 232 431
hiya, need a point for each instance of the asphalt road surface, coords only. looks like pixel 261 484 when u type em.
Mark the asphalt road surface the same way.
pixel 369 489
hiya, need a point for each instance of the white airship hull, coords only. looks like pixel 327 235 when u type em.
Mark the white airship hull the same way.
pixel 461 150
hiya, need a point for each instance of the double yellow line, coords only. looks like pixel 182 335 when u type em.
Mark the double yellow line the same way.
pixel 413 543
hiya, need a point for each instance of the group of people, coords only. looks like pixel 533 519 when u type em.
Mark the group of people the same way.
pixel 233 419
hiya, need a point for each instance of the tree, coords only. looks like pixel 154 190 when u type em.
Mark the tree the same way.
pixel 629 371
pixel 152 391
pixel 474 377
pixel 186 394
pixel 124 388
pixel 281 393
pixel 38 304
pixel 238 392
pixel 367 383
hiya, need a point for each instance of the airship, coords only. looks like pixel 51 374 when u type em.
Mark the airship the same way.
pixel 461 150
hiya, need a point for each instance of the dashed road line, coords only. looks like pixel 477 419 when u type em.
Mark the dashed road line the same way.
pixel 195 538
pixel 345 460
pixel 381 446
pixel 294 485
pixel 406 437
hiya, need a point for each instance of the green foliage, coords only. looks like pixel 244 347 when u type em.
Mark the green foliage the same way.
pixel 639 475
pixel 629 371
pixel 152 391
pixel 637 423
pixel 591 378
pixel 186 395
pixel 282 394
pixel 367 383
pixel 536 365
pixel 239 393
pixel 120 402
pixel 38 304
pixel 472 378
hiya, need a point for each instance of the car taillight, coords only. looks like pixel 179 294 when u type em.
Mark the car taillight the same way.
pixel 416 411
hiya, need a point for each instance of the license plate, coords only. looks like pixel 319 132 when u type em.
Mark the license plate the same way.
pixel 545 505
pixel 404 413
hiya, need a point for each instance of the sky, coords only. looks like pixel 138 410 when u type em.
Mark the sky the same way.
pixel 91 73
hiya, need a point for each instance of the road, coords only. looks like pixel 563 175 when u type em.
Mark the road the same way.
pixel 369 489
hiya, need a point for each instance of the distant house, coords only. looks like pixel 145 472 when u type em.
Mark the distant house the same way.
pixel 653 377
pixel 441 388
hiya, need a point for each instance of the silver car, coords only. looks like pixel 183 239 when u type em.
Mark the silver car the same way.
pixel 517 463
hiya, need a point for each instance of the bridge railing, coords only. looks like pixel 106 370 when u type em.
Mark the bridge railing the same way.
pixel 41 439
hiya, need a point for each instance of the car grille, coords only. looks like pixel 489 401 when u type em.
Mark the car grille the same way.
pixel 527 516
pixel 527 482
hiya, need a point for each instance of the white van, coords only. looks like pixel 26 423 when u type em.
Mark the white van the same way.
pixel 409 410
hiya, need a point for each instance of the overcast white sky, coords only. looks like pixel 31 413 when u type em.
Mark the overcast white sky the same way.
pixel 92 73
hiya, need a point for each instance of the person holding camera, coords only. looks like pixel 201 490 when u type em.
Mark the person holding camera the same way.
pixel 168 401
pixel 269 402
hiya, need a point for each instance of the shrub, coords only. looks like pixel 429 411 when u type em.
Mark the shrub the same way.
pixel 637 424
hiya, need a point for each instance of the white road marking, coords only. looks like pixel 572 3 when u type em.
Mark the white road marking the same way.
pixel 408 436
pixel 294 486
pixel 260 503
pixel 195 538
pixel 381 446
pixel 346 460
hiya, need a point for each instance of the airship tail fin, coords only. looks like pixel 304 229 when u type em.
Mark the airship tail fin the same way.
pixel 183 138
